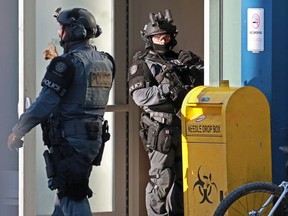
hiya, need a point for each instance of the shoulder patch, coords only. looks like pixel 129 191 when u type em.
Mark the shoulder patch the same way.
pixel 60 67
pixel 136 76
pixel 59 75
pixel 133 69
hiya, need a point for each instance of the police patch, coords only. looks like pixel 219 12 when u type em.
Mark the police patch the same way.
pixel 101 79
pixel 133 69
pixel 60 67
pixel 59 75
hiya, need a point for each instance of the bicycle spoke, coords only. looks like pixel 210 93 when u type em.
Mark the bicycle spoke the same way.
pixel 253 199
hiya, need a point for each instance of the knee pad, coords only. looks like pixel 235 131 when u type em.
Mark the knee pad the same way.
pixel 162 182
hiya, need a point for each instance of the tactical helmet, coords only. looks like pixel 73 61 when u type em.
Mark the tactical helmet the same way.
pixel 79 23
pixel 159 24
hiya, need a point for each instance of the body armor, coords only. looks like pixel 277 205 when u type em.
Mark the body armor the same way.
pixel 150 69
pixel 99 77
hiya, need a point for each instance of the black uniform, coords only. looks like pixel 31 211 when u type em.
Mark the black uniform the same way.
pixel 158 83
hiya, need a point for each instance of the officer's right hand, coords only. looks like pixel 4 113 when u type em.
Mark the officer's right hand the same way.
pixel 14 143
pixel 187 57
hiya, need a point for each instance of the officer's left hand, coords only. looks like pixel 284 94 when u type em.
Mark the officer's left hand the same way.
pixel 14 143
pixel 187 57
pixel 50 52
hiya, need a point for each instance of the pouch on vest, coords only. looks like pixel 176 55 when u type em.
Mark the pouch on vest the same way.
pixel 164 140
pixel 168 138
pixel 93 129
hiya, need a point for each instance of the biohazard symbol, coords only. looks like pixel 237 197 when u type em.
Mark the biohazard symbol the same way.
pixel 205 186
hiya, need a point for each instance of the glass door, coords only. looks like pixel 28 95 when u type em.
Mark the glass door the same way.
pixel 222 42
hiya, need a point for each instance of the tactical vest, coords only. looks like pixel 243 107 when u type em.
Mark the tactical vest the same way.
pixel 98 81
pixel 149 69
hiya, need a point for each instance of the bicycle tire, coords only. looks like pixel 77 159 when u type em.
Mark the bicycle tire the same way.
pixel 250 197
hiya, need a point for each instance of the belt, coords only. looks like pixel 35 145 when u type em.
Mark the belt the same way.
pixel 165 118
pixel 78 127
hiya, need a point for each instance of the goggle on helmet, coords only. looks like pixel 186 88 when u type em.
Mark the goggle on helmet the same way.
pixel 159 24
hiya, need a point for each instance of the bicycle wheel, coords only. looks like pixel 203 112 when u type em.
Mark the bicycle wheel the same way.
pixel 248 199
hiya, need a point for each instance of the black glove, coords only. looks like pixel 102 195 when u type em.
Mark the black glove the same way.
pixel 188 58
pixel 177 91
pixel 14 143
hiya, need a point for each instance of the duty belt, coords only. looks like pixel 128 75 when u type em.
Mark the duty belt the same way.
pixel 77 127
pixel 165 118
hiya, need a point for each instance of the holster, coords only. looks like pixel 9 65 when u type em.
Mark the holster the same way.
pixel 50 169
pixel 152 137
pixel 143 133
pixel 45 132
pixel 105 138
pixel 149 132
pixel 52 158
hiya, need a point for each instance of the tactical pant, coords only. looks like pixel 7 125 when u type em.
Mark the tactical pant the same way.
pixel 69 207
pixel 164 192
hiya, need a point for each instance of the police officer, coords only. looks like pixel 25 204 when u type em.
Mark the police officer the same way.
pixel 70 109
pixel 159 79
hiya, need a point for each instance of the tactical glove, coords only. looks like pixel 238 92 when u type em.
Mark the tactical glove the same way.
pixel 14 143
pixel 188 58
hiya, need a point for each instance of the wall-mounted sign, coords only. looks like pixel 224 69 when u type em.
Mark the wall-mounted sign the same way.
pixel 255 29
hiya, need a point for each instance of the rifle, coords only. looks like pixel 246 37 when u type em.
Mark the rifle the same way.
pixel 179 79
